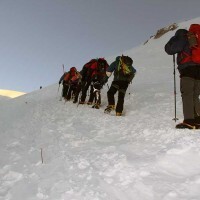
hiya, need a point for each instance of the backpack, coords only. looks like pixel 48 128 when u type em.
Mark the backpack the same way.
pixel 87 71
pixel 98 69
pixel 101 66
pixel 66 77
pixel 76 78
pixel 194 42
pixel 125 65
pixel 69 76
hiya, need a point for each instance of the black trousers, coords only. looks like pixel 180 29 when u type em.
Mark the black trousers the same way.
pixel 95 88
pixel 69 90
pixel 65 90
pixel 77 91
pixel 85 87
pixel 121 87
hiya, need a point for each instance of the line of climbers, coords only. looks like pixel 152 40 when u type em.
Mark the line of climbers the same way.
pixel 95 74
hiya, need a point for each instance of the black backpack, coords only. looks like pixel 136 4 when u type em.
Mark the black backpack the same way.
pixel 101 66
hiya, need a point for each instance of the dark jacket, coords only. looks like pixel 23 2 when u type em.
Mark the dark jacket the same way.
pixel 179 44
pixel 62 78
pixel 112 68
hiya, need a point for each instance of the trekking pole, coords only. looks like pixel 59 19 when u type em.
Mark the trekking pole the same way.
pixel 61 94
pixel 58 92
pixel 63 68
pixel 129 90
pixel 58 89
pixel 175 118
pixel 108 86
pixel 79 99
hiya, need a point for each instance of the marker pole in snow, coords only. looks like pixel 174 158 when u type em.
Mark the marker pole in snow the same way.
pixel 175 118
pixel 41 153
pixel 63 67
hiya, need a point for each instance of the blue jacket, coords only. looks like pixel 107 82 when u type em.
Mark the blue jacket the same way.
pixel 112 68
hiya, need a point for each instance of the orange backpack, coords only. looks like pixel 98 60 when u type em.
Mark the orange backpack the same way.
pixel 67 77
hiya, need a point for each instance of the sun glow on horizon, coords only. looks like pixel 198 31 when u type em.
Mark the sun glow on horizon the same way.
pixel 11 93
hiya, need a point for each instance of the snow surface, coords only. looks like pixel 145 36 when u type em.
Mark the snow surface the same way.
pixel 88 155
pixel 3 98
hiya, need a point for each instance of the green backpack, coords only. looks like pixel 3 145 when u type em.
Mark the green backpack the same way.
pixel 125 65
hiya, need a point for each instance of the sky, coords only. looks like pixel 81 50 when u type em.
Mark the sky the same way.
pixel 56 150
pixel 38 36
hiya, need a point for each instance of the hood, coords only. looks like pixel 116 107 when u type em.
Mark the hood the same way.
pixel 181 32
pixel 117 58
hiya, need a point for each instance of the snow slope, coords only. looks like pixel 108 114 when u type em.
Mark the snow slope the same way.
pixel 3 98
pixel 88 155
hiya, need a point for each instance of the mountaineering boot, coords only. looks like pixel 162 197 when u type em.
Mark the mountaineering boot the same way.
pixel 89 103
pixel 96 105
pixel 188 124
pixel 81 102
pixel 109 108
pixel 197 119
pixel 75 101
pixel 118 114
pixel 185 126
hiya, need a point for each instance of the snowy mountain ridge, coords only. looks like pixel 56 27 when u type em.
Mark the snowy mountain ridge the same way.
pixel 54 150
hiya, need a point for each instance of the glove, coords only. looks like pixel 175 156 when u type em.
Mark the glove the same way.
pixel 104 80
pixel 83 82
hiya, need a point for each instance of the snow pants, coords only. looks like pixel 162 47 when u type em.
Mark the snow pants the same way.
pixel 78 89
pixel 65 90
pixel 95 87
pixel 190 91
pixel 71 91
pixel 84 90
pixel 121 87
